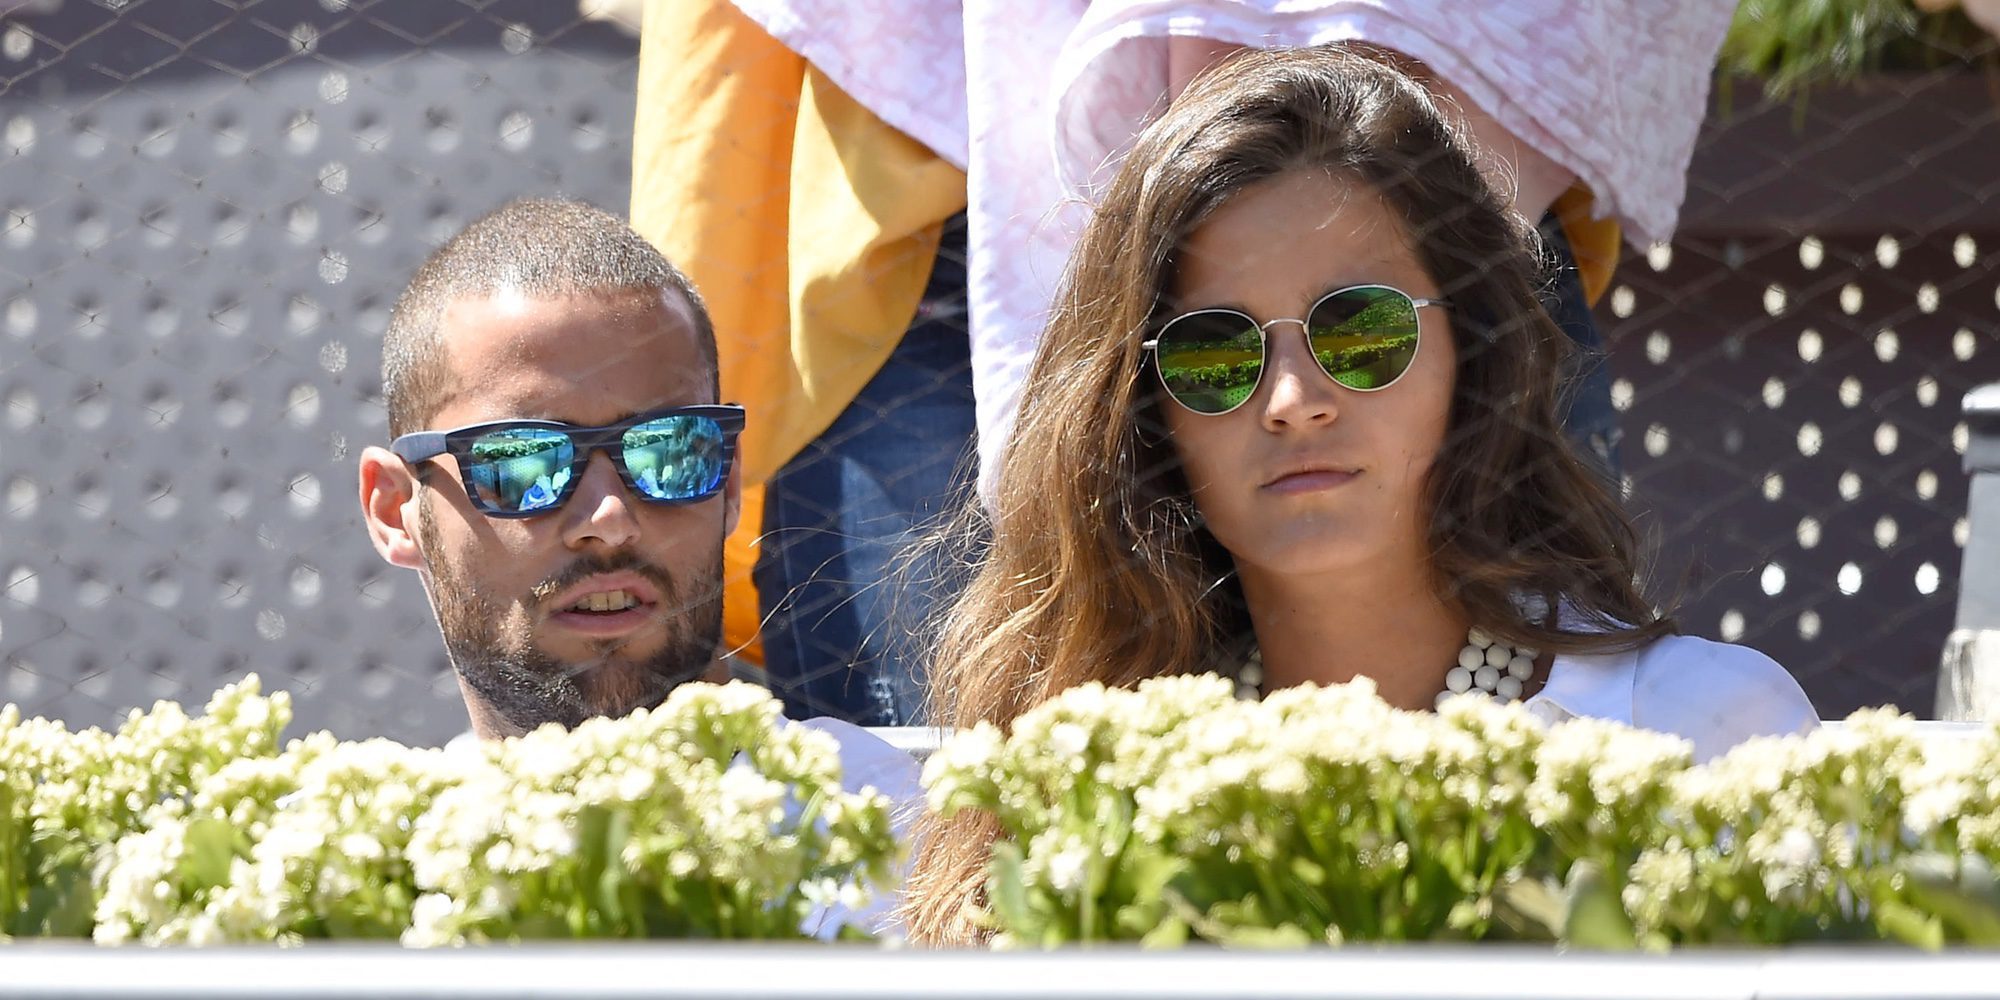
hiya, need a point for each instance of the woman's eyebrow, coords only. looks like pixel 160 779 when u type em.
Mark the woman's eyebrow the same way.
pixel 1179 307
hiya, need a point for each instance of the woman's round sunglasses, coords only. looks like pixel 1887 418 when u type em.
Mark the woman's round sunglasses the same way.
pixel 1364 337
pixel 524 468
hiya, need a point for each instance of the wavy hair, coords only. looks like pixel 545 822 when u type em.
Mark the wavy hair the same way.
pixel 1095 565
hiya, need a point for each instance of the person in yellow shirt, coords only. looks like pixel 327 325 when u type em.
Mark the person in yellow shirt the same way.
pixel 831 246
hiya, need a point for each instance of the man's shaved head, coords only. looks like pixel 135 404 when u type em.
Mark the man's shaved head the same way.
pixel 536 248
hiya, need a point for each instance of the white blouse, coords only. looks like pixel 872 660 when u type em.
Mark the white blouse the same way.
pixel 866 761
pixel 1713 694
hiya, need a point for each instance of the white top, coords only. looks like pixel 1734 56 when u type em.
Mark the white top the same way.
pixel 868 762
pixel 1039 100
pixel 1613 91
pixel 1711 693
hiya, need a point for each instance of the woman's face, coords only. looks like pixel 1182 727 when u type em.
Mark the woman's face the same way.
pixel 1308 476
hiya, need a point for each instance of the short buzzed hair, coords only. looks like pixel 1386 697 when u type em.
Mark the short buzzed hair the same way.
pixel 539 247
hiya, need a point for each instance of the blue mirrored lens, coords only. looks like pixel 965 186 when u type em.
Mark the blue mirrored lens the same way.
pixel 675 458
pixel 522 469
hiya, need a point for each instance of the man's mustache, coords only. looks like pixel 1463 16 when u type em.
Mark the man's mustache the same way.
pixel 585 568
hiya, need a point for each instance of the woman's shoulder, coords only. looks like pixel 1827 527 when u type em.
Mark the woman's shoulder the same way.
pixel 1716 694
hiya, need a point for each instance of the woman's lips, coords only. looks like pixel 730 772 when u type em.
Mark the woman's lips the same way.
pixel 1309 481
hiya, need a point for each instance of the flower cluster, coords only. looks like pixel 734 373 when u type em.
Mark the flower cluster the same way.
pixel 64 796
pixel 643 827
pixel 1175 811
pixel 705 817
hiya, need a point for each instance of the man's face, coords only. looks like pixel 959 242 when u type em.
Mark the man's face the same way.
pixel 513 596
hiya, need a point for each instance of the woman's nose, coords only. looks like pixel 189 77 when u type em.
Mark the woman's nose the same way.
pixel 1301 393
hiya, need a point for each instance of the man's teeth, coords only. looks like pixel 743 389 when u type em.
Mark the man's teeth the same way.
pixel 609 600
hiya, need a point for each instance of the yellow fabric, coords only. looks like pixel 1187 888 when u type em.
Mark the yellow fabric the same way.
pixel 808 224
pixel 1594 242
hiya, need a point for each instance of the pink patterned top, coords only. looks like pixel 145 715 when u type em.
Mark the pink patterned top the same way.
pixel 1038 100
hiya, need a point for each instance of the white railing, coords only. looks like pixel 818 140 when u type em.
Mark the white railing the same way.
pixel 726 972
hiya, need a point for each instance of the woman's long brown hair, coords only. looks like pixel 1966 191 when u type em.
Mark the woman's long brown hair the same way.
pixel 1094 564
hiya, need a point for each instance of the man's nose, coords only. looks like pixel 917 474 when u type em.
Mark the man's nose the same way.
pixel 601 512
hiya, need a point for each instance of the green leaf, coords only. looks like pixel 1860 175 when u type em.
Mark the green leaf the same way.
pixel 62 906
pixel 1007 894
pixel 1593 916
pixel 593 825
pixel 1307 872
pixel 1170 932
pixel 1269 938
pixel 1466 915
pixel 1531 909
pixel 615 831
pixel 589 915
pixel 1962 893
pixel 211 844
pixel 1142 882
pixel 1905 924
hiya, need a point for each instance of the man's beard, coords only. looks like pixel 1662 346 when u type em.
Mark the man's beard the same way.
pixel 527 687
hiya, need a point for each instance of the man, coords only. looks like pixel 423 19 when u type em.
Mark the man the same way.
pixel 561 474
pixel 563 592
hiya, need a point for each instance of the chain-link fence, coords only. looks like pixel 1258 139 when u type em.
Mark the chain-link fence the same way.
pixel 209 212
pixel 1792 369
pixel 209 209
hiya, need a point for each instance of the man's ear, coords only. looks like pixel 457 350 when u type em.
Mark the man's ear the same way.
pixel 732 499
pixel 389 506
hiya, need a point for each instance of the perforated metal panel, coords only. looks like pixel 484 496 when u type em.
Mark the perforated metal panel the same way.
pixel 208 214
pixel 1794 442
pixel 209 207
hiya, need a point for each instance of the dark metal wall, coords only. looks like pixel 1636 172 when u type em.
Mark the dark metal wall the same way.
pixel 1795 364
pixel 1802 472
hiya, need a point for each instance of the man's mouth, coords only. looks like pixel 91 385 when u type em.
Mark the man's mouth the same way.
pixel 608 604
pixel 606 601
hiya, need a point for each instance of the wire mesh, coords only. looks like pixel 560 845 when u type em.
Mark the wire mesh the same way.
pixel 210 207
pixel 209 211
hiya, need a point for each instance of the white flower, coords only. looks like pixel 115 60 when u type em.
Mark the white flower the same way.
pixel 1067 868
pixel 1067 739
pixel 431 918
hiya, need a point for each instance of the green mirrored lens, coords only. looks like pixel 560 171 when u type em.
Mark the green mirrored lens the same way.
pixel 1210 361
pixel 521 469
pixel 675 458
pixel 1365 338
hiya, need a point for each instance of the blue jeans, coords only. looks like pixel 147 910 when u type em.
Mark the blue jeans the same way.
pixel 839 605
pixel 1587 414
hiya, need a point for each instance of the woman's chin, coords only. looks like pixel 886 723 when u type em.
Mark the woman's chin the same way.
pixel 1310 554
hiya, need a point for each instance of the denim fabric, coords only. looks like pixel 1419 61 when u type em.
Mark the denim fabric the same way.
pixel 840 608
pixel 1587 413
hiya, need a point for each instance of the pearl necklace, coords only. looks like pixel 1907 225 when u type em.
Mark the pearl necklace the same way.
pixel 1484 666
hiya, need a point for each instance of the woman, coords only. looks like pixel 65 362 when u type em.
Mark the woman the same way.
pixel 1293 420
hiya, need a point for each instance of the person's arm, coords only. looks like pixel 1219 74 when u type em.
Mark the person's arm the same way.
pixel 1512 165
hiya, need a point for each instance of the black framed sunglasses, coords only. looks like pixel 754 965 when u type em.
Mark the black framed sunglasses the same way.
pixel 1365 337
pixel 525 468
